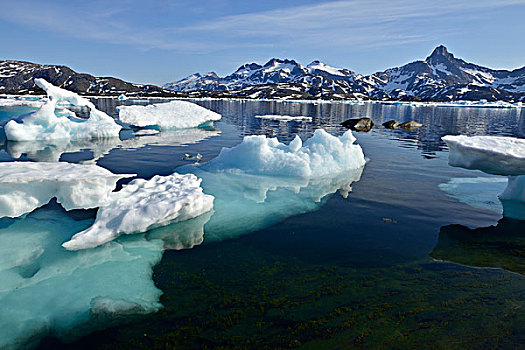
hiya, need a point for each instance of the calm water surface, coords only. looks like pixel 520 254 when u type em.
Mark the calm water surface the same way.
pixel 398 263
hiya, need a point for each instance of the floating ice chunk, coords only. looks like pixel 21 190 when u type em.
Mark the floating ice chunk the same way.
pixel 142 205
pixel 25 186
pixel 285 118
pixel 494 155
pixel 268 181
pixel 48 291
pixel 171 115
pixel 491 154
pixel 44 124
pixel 321 155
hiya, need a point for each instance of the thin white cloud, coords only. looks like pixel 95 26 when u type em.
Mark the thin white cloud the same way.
pixel 327 25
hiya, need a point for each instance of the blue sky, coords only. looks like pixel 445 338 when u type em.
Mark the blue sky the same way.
pixel 161 41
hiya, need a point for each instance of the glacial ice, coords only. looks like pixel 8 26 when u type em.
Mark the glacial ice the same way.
pixel 322 154
pixel 268 181
pixel 166 116
pixel 25 186
pixel 494 155
pixel 142 205
pixel 49 291
pixel 44 124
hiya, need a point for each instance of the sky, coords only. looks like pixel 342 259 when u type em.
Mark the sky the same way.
pixel 162 41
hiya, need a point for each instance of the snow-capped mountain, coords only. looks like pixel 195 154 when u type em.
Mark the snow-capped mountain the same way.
pixel 440 76
pixel 18 77
pixel 278 78
pixel 444 77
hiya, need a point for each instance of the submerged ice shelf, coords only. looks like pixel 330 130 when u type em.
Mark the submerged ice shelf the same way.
pixel 25 186
pixel 44 124
pixel 166 116
pixel 49 291
pixel 494 155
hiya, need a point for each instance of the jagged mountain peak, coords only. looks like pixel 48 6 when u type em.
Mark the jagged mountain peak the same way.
pixel 441 76
pixel 440 54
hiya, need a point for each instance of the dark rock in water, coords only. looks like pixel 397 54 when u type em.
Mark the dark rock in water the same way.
pixel 410 125
pixel 391 124
pixel 359 124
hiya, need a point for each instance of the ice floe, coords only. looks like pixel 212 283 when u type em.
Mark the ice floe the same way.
pixel 25 186
pixel 166 116
pixel 494 155
pixel 491 154
pixel 322 154
pixel 44 124
pixel 142 205
pixel 49 291
pixel 268 181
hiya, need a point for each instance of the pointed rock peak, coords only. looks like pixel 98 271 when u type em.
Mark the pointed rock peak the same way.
pixel 315 63
pixel 277 61
pixel 250 66
pixel 440 51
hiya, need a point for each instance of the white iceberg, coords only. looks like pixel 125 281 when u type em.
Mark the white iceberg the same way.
pixel 321 155
pixel 494 155
pixel 44 124
pixel 142 205
pixel 25 186
pixel 268 181
pixel 166 116
pixel 46 290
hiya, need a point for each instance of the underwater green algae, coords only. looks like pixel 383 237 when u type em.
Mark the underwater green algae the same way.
pixel 241 297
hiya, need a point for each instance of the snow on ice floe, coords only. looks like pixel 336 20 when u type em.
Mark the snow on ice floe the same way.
pixel 321 155
pixel 491 154
pixel 44 124
pixel 142 205
pixel 268 181
pixel 166 116
pixel 284 118
pixel 49 291
pixel 25 186
pixel 494 155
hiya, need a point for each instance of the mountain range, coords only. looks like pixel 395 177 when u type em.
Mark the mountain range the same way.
pixel 17 77
pixel 439 77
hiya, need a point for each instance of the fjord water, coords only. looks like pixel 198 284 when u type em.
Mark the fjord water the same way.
pixel 394 261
